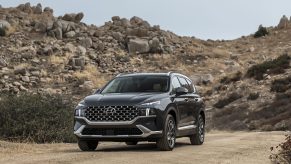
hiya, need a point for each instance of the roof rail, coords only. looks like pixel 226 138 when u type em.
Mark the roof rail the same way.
pixel 169 73
pixel 120 74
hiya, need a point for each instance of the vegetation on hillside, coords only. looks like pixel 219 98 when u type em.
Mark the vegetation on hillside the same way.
pixel 283 154
pixel 275 66
pixel 36 118
pixel 262 31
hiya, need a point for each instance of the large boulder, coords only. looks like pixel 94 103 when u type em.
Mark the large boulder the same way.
pixel 48 10
pixel 4 24
pixel 155 46
pixel 283 22
pixel 73 17
pixel 37 9
pixel 138 46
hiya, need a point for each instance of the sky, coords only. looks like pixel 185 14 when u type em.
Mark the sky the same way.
pixel 204 19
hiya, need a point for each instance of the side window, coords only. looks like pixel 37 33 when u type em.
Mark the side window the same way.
pixel 175 83
pixel 184 83
pixel 192 89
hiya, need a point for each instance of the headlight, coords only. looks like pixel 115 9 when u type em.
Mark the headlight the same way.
pixel 79 109
pixel 80 112
pixel 151 103
pixel 147 112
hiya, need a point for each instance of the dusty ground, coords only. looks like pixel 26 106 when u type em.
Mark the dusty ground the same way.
pixel 219 147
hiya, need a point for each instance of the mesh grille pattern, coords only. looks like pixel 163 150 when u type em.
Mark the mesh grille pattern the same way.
pixel 111 131
pixel 111 113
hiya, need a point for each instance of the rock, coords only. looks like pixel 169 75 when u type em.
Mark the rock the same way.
pixel 22 88
pixel 202 79
pixel 99 46
pixel 16 83
pixel 70 47
pixel 20 70
pixel 4 24
pixel 155 46
pixel 40 27
pixel 46 51
pixel 138 46
pixel 35 73
pixel 98 33
pixel 25 79
pixel 27 8
pixel 37 9
pixel 252 49
pixel 48 10
pixel 3 63
pixel 73 17
pixel 78 63
pixel 283 24
pixel 140 22
pixel 81 51
pixel 125 22
pixel 117 36
pixel 139 32
pixel 70 34
pixel 115 18
pixel 86 42
pixel 58 33
pixel 234 56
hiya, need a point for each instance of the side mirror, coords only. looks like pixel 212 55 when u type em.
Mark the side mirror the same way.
pixel 97 91
pixel 181 91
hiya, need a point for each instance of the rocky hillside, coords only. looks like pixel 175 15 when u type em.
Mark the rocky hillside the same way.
pixel 63 55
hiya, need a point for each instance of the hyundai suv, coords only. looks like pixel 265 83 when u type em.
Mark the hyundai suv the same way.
pixel 154 107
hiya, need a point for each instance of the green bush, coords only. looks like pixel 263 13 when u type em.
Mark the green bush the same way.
pixel 36 118
pixel 262 31
pixel 275 66
pixel 231 98
pixel 281 85
pixel 2 32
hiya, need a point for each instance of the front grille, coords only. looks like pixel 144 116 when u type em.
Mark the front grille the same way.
pixel 111 113
pixel 111 131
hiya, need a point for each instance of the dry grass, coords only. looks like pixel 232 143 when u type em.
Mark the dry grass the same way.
pixel 90 73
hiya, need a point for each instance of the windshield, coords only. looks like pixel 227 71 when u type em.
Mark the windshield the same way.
pixel 138 84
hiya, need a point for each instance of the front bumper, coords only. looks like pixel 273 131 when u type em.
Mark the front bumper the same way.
pixel 146 124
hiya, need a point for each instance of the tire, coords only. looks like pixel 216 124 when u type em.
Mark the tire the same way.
pixel 87 145
pixel 199 136
pixel 168 140
pixel 131 143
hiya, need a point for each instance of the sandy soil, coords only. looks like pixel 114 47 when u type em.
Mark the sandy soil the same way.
pixel 219 147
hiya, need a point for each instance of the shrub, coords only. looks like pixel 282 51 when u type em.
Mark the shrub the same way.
pixel 2 32
pixel 283 154
pixel 36 118
pixel 233 78
pixel 231 98
pixel 262 31
pixel 275 66
pixel 253 96
pixel 281 85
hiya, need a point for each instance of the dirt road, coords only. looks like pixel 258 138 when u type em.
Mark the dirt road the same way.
pixel 219 147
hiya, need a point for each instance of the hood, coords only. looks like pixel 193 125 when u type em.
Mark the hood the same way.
pixel 120 99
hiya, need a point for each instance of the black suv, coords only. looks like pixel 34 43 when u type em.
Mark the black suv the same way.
pixel 154 107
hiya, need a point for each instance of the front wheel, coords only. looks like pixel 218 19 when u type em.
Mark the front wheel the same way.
pixel 168 140
pixel 87 145
pixel 198 137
